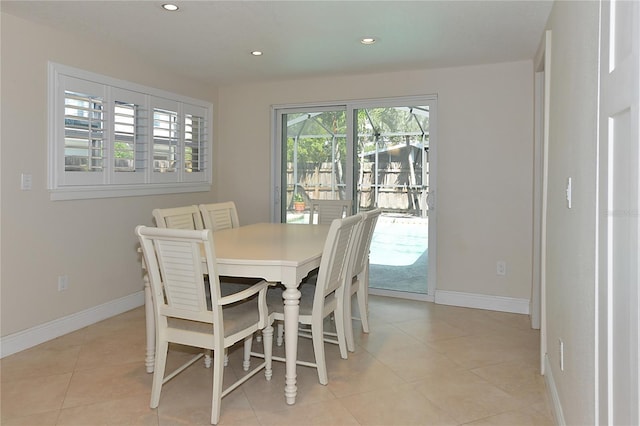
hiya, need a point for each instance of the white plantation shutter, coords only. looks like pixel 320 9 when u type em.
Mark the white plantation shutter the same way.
pixel 82 132
pixel 124 136
pixel 196 141
pixel 166 140
pixel 112 138
pixel 129 149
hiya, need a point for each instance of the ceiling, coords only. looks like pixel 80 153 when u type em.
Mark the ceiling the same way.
pixel 211 41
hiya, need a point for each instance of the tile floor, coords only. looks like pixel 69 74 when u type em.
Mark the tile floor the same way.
pixel 422 364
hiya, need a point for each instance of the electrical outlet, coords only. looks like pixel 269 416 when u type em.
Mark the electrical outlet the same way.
pixel 63 282
pixel 501 268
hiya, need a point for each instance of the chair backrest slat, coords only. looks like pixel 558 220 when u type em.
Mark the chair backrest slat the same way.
pixel 338 255
pixel 218 216
pixel 323 212
pixel 173 259
pixel 187 217
pixel 362 252
pixel 183 276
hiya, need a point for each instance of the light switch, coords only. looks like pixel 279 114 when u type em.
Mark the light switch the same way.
pixel 25 182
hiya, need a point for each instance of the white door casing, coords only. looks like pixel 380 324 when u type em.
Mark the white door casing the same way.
pixel 617 349
pixel 540 191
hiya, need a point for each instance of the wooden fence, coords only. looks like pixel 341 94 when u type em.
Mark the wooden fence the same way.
pixel 394 189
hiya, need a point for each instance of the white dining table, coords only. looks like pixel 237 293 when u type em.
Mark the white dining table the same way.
pixel 275 252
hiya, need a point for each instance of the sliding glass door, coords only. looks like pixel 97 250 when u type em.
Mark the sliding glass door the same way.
pixel 379 153
pixel 314 158
pixel 393 174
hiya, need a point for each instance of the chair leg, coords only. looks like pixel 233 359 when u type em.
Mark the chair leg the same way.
pixel 162 346
pixel 317 335
pixel 216 396
pixel 363 308
pixel 246 363
pixel 341 331
pixel 348 324
pixel 267 338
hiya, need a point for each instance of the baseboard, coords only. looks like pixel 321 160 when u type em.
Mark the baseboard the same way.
pixel 26 339
pixel 401 294
pixel 556 407
pixel 482 301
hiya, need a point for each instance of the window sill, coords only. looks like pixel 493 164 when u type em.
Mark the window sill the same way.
pixel 114 191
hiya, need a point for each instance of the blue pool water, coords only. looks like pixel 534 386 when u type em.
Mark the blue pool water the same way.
pixel 398 243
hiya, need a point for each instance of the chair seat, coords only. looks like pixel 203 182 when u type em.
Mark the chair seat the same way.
pixel 237 316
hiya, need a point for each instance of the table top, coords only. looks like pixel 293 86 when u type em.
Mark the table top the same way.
pixel 269 245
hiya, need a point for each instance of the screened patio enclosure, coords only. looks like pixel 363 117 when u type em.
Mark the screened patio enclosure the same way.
pixel 386 165
pixel 392 156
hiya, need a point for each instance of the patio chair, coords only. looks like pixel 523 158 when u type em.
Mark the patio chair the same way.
pixel 322 212
pixel 360 283
pixel 182 314
pixel 326 295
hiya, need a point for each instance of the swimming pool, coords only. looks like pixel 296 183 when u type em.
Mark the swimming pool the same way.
pixel 399 241
pixel 399 253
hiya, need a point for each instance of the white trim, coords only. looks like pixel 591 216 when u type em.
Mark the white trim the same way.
pixel 357 103
pixel 556 406
pixel 80 193
pixel 401 294
pixel 482 301
pixel 26 339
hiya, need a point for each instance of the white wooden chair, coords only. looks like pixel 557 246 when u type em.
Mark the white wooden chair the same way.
pixel 217 216
pixel 190 217
pixel 187 217
pixel 174 263
pixel 326 296
pixel 322 212
pixel 360 283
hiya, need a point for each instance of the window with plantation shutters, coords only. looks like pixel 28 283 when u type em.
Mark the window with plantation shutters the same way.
pixel 111 138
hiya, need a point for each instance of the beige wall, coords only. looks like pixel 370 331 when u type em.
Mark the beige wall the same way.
pixel 91 241
pixel 485 132
pixel 484 143
pixel 571 244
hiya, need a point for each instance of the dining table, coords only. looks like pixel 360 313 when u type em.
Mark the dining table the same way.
pixel 276 252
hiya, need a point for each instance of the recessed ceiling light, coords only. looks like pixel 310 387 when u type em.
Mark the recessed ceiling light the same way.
pixel 256 53
pixel 368 40
pixel 170 7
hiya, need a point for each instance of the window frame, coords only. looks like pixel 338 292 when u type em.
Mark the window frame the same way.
pixel 70 185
